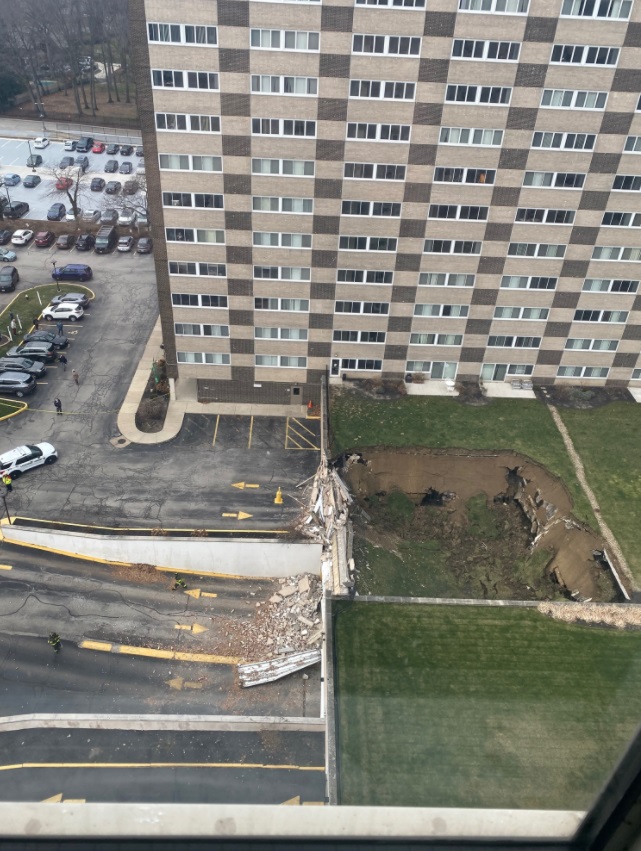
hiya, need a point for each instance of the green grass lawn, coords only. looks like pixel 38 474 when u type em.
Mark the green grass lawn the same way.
pixel 439 422
pixel 607 439
pixel 479 707
pixel 8 407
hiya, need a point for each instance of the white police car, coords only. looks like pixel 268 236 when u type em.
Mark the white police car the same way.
pixel 16 461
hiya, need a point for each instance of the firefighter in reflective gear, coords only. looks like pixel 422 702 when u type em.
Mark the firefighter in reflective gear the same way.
pixel 54 641
pixel 6 481
pixel 179 583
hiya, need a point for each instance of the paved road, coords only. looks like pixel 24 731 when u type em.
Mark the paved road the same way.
pixel 199 767
pixel 44 592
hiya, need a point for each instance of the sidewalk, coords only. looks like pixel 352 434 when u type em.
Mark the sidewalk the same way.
pixel 185 402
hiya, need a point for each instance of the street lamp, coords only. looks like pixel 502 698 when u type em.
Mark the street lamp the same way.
pixel 53 263
pixel 31 160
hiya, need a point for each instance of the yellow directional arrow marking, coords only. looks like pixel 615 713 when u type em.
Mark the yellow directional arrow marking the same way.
pixel 54 799
pixel 179 683
pixel 241 515
pixel 242 485
pixel 196 628
pixel 197 593
pixel 5 567
pixel 209 594
pixel 292 802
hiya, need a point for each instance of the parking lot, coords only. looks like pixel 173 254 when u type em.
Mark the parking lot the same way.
pixel 13 158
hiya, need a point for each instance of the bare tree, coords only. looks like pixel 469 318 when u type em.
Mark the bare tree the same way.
pixel 70 183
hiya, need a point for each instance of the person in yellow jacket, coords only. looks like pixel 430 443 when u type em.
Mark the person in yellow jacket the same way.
pixel 6 481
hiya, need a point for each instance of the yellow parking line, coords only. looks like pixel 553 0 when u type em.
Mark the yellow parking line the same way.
pixel 251 430
pixel 257 765
pixel 303 426
pixel 291 430
pixel 6 567
pixel 216 430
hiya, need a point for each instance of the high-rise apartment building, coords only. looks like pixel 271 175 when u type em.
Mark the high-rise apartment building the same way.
pixel 383 187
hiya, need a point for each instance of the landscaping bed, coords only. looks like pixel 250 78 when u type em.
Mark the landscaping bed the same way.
pixel 152 410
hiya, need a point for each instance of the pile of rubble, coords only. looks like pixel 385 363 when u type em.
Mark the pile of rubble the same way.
pixel 329 506
pixel 622 616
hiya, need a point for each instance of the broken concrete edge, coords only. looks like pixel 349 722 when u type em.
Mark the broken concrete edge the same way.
pixel 114 721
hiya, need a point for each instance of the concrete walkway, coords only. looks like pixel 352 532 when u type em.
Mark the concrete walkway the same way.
pixel 185 402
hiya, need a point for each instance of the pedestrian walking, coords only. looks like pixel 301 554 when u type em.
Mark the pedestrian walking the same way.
pixel 63 360
pixel 14 326
pixel 57 405
pixel 75 377
pixel 179 583
pixel 6 481
pixel 54 641
pixel 59 326
pixel 36 323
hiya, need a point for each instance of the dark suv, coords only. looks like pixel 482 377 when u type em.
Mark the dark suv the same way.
pixel 9 277
pixel 84 145
pixel 85 242
pixel 17 383
pixel 72 272
pixel 15 210
pixel 44 352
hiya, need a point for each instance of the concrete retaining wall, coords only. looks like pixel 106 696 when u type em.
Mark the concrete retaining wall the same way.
pixel 237 557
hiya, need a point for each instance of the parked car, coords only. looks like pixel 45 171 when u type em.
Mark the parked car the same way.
pixel 66 162
pixel 22 237
pixel 33 367
pixel 56 212
pixel 126 150
pixel 90 216
pixel 44 238
pixel 6 255
pixel 70 145
pixel 11 179
pixel 22 458
pixel 139 151
pixel 130 187
pixel 113 187
pixel 126 217
pixel 142 219
pixel 72 272
pixel 16 384
pixel 65 310
pixel 41 142
pixel 98 148
pixel 97 184
pixel 34 160
pixel 58 341
pixel 86 242
pixel 71 215
pixel 145 245
pixel 74 298
pixel 15 210
pixel 111 150
pixel 5 236
pixel 9 278
pixel 125 168
pixel 84 144
pixel 82 162
pixel 64 183
pixel 31 181
pixel 44 352
pixel 109 217
pixel 125 243
pixel 111 166
pixel 65 241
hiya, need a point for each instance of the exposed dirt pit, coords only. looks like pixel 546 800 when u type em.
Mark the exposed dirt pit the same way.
pixel 466 524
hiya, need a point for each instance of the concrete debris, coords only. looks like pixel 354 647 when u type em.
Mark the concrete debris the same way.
pixel 287 591
pixel 303 585
pixel 276 598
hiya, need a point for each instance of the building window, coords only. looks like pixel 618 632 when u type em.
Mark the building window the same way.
pixel 387 45
pixel 633 145
pixel 617 316
pixel 627 182
pixel 616 252
pixel 525 282
pixel 435 369
pixel 189 162
pixel 216 358
pixel 391 209
pixel 572 141
pixel 501 7
pixel 359 336
pixel 381 90
pixel 496 95
pixel 607 285
pixel 536 249
pixel 533 313
pixel 503 51
pixel 184 80
pixel 544 216
pixel 445 279
pixel 198 300
pixel 621 220
pixel 362 364
pixel 216 237
pixel 182 34
pixel 596 8
pixel 396 4
pixel 584 54
pixel 554 179
pixel 282 273
pixel 184 329
pixel 588 344
pixel 192 199
pixel 299 305
pixel 281 361
pixel 582 372
pixel 374 171
pixel 636 374
pixel 367 243
pixel 364 276
pixel 210 270
pixel 378 308
pixel 457 211
pixel 452 311
pixel 291 168
pixel 280 333
pixel 277 204
pixel 282 240
pixel 436 339
pixel 471 136
pixel 182 123
pixel 451 246
pixel 283 127
pixel 267 84
pixel 514 342
pixel 498 371
pixel 300 40
pixel 573 99
pixel 379 132
pixel 453 174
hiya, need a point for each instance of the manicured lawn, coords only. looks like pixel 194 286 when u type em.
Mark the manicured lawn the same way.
pixel 458 706
pixel 439 422
pixel 607 439
pixel 9 407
